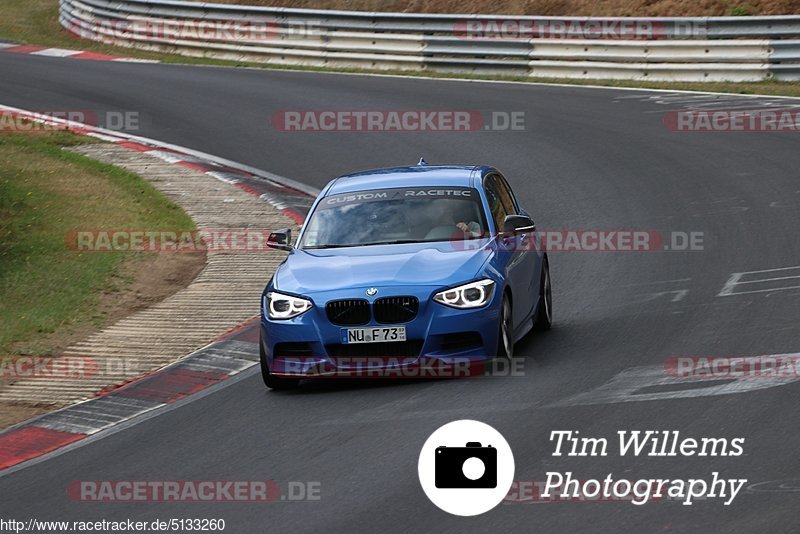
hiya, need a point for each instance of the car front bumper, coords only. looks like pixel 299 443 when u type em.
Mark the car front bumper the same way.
pixel 440 341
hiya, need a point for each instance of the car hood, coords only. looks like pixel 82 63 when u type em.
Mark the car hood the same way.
pixel 418 264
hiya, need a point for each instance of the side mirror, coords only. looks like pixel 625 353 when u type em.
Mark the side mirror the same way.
pixel 280 240
pixel 518 224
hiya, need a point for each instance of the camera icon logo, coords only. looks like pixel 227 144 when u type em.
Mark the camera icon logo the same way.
pixel 472 466
pixel 466 467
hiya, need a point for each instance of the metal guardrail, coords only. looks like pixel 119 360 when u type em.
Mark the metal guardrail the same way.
pixel 666 48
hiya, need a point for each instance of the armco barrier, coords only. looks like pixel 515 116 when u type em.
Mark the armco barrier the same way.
pixel 664 49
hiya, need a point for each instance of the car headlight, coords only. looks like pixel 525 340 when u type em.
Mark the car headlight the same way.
pixel 472 295
pixel 280 306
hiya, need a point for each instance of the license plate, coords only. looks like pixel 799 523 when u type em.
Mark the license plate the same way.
pixel 379 334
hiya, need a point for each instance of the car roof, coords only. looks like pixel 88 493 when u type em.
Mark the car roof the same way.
pixel 416 176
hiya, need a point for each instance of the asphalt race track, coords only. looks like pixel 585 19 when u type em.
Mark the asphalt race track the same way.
pixel 588 159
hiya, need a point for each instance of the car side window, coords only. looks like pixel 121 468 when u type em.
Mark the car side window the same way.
pixel 506 196
pixel 497 207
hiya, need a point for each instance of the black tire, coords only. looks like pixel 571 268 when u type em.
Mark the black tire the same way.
pixel 544 310
pixel 271 381
pixel 505 337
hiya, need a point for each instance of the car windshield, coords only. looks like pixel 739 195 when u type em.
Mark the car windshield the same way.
pixel 395 216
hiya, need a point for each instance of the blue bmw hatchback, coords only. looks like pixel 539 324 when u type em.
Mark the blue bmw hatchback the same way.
pixel 401 265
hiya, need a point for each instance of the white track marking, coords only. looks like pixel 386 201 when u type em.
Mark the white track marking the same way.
pixel 680 294
pixel 134 60
pixel 796 268
pixel 753 107
pixel 626 386
pixel 736 280
pixel 705 101
pixel 677 296
pixel 768 279
pixel 658 282
pixel 222 177
pixel 771 290
pixel 727 289
pixel 108 138
pixel 169 157
pixel 56 52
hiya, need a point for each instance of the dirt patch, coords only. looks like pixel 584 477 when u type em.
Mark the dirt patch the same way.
pixel 609 8
pixel 144 281
pixel 11 414
pixel 155 277
pixel 140 283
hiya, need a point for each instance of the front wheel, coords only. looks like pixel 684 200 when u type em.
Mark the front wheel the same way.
pixel 544 313
pixel 270 380
pixel 505 339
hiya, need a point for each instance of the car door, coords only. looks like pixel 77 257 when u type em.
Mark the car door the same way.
pixel 520 259
pixel 531 257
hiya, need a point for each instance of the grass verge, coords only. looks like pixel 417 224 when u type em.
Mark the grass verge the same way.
pixel 48 293
pixel 36 22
